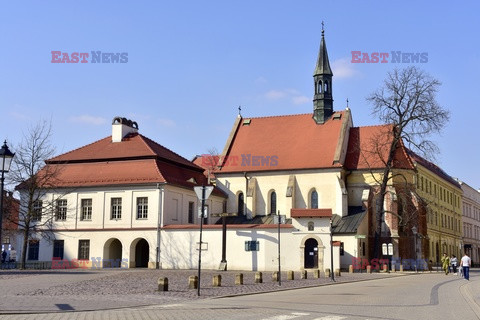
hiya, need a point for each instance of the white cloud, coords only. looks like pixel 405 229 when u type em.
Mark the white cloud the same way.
pixel 87 119
pixel 164 122
pixel 301 100
pixel 260 80
pixel 19 116
pixel 343 68
pixel 290 94
pixel 275 94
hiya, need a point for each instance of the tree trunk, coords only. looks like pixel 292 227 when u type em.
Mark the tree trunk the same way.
pixel 23 259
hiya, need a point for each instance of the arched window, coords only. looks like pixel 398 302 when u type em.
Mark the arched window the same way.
pixel 314 200
pixel 326 86
pixel 320 86
pixel 241 204
pixel 311 226
pixel 273 202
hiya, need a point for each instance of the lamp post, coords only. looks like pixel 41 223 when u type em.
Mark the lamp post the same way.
pixel 414 231
pixel 331 251
pixel 6 157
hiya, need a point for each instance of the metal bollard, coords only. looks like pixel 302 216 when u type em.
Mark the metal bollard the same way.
pixel 337 273
pixel 275 276
pixel 290 275
pixel 303 274
pixel 239 279
pixel 350 269
pixel 316 273
pixel 217 281
pixel 258 277
pixel 327 273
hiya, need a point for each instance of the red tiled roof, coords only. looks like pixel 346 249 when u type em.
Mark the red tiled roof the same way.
pixel 134 160
pixel 368 148
pixel 283 142
pixel 433 168
pixel 207 162
pixel 133 145
pixel 310 213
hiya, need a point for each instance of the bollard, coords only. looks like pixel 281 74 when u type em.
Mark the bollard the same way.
pixel 401 268
pixel 239 279
pixel 162 284
pixel 217 280
pixel 337 273
pixel 385 268
pixel 258 277
pixel 327 273
pixel 290 275
pixel 316 273
pixel 303 274
pixel 393 267
pixel 350 269
pixel 369 269
pixel 275 276
pixel 192 282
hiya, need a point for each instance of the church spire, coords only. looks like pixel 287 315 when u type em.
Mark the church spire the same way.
pixel 322 77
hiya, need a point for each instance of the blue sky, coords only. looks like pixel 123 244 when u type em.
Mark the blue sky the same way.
pixel 192 63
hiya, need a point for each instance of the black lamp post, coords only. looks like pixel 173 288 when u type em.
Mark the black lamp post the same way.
pixel 414 231
pixel 6 157
pixel 331 251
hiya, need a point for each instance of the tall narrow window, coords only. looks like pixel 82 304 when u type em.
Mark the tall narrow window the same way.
pixel 314 200
pixel 241 204
pixel 37 210
pixel 116 208
pixel 61 210
pixel 83 249
pixel 33 249
pixel 205 217
pixel 273 202
pixel 86 209
pixel 142 208
pixel 191 206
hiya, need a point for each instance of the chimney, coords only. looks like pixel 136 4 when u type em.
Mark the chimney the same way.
pixel 121 127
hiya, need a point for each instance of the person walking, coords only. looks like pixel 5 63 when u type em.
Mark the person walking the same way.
pixel 453 262
pixel 465 263
pixel 445 263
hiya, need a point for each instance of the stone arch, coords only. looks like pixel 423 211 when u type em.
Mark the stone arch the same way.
pixel 139 253
pixel 112 253
pixel 320 247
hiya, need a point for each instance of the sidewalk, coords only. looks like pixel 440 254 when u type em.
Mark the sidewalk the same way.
pixel 36 291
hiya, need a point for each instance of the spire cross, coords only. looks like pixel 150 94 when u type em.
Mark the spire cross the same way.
pixel 347 102
pixel 239 110
pixel 322 25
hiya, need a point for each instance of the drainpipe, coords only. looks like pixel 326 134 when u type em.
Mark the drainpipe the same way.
pixel 245 197
pixel 161 195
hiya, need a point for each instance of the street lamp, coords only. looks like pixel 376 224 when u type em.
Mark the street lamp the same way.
pixel 331 250
pixel 6 157
pixel 414 231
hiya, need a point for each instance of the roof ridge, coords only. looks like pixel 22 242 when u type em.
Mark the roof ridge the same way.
pixel 285 115
pixel 374 125
pixel 74 150
pixel 158 144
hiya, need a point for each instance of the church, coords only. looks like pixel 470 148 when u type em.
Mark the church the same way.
pixel 301 197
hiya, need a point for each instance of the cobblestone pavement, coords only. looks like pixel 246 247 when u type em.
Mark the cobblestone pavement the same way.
pixel 36 291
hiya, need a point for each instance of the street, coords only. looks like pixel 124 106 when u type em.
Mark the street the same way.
pixel 422 296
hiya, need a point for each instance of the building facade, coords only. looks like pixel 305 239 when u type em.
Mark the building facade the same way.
pixel 471 222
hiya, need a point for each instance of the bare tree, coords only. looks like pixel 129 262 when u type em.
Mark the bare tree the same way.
pixel 406 101
pixel 33 180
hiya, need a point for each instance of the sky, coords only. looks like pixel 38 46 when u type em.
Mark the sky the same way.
pixel 192 63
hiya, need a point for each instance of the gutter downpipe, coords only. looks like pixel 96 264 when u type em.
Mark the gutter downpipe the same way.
pixel 161 196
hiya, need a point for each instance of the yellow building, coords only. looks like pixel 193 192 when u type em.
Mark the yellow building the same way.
pixel 443 197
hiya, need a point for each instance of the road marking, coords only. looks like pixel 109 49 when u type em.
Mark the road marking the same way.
pixel 300 314
pixel 331 318
pixel 286 316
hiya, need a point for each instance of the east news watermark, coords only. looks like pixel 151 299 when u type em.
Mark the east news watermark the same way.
pixel 89 57
pixel 389 57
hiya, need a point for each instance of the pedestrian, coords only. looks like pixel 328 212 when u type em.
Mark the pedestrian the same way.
pixel 465 263
pixel 13 255
pixel 445 263
pixel 4 256
pixel 453 262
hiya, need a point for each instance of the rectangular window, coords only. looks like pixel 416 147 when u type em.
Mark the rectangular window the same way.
pixel 33 249
pixel 61 210
pixel 86 209
pixel 37 210
pixel 142 208
pixel 83 249
pixel 191 210
pixel 116 208
pixel 252 246
pixel 58 249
